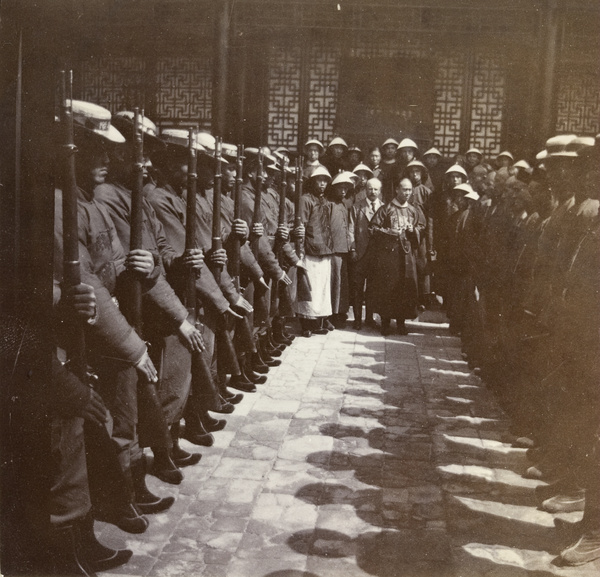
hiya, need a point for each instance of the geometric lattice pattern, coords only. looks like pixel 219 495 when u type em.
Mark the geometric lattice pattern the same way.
pixel 284 97
pixel 578 105
pixel 184 90
pixel 115 83
pixel 448 101
pixel 322 101
pixel 487 104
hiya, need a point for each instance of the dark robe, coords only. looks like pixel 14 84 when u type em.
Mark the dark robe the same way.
pixel 394 282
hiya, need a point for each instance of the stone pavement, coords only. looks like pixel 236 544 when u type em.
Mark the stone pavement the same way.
pixel 361 456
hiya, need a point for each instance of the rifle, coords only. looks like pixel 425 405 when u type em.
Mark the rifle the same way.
pixel 303 282
pixel 237 213
pixel 205 395
pixel 256 216
pixel 217 242
pixel 151 415
pixel 71 265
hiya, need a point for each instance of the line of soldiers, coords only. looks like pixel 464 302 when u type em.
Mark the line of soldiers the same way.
pixel 190 355
pixel 522 263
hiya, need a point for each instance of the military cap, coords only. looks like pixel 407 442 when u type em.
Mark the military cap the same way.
pixel 408 143
pixel 457 168
pixel 577 146
pixel 362 167
pixel 432 151
pixel 468 190
pixel 123 121
pixel 556 147
pixel 507 154
pixel 229 151
pixel 474 150
pixel 320 171
pixel 96 119
pixel 281 150
pixel 417 164
pixel 522 164
pixel 179 137
pixel 354 148
pixel 252 153
pixel 390 141
pixel 338 140
pixel 342 177
pixel 316 143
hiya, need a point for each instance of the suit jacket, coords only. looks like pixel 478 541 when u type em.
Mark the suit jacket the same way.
pixel 360 217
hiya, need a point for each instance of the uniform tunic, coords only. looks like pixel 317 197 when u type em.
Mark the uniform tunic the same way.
pixel 340 235
pixel 394 281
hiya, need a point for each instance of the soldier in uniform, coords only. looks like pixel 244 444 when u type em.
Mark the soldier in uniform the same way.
pixel 313 150
pixel 389 169
pixel 374 160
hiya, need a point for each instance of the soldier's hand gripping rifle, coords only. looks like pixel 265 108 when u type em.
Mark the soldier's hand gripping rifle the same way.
pixel 149 406
pixel 205 394
pixel 304 288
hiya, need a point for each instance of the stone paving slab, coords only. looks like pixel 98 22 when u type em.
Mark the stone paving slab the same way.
pixel 361 456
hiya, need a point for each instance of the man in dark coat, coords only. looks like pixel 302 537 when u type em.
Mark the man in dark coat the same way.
pixel 396 230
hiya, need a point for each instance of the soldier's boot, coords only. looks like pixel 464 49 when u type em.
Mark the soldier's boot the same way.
pixel 98 556
pixel 273 344
pixel 258 365
pixel 164 468
pixel 66 555
pixel 146 501
pixel 181 457
pixel 584 550
pixel 194 430
pixel 280 335
pixel 249 373
pixel 267 356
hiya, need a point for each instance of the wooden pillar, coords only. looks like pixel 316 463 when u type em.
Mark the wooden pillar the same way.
pixel 551 35
pixel 220 63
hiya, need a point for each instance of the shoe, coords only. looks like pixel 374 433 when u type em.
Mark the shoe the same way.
pixel 212 425
pixel 66 555
pixel 567 503
pixel 273 363
pixel 543 492
pixel 230 397
pixel 182 458
pixel 523 443
pixel 239 383
pixel 147 502
pixel 357 325
pixel 282 339
pixel 127 519
pixel 328 325
pixel 320 332
pixel 226 407
pixel 585 550
pixel 257 378
pixel 165 469
pixel 99 557
pixel 307 334
pixel 200 439
pixel 258 365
